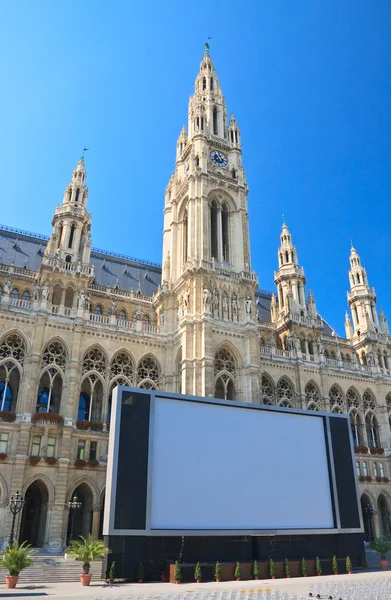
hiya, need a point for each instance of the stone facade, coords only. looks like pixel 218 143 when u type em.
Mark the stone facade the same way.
pixel 76 321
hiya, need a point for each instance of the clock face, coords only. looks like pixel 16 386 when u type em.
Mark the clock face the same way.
pixel 218 158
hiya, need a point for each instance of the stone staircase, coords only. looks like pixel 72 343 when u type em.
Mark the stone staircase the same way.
pixel 49 568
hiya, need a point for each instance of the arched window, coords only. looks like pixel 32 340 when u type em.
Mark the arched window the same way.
pixel 50 384
pixel 94 360
pixel 12 354
pixel 26 295
pixel 77 195
pixel 211 84
pixel 312 396
pixel 386 362
pixel 363 359
pixel 213 230
pixel 225 232
pixel 145 320
pixel 71 235
pixel 281 296
pixel 268 395
pixel 225 375
pixel 352 399
pixel 204 83
pixel 372 428
pixel 148 374
pixel 337 404
pixel 1 290
pixel 98 309
pixel 122 315
pixel 15 293
pixel 311 347
pixel 215 125
pixel 369 401
pixel 326 353
pixel 358 277
pixel 6 391
pixel 83 412
pixel 185 236
pixel 285 393
pixel 233 172
pixel 356 425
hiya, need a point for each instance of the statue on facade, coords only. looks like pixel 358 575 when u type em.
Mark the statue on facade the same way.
pixel 248 305
pixel 45 292
pixel 37 292
pixel 320 346
pixel 81 301
pixel 235 305
pixel 207 297
pixel 162 318
pixel 112 308
pixel 296 343
pixel 215 303
pixel 186 299
pixel 7 287
pixel 138 313
pixel 225 303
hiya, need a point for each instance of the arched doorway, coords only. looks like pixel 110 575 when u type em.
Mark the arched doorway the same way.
pixel 102 512
pixel 366 506
pixel 82 517
pixel 383 516
pixel 33 522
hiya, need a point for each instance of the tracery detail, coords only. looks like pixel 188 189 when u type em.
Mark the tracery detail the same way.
pixel 148 373
pixel 13 346
pixel 54 354
pixel 285 393
pixel 94 360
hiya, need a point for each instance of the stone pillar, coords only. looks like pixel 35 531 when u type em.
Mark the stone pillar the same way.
pixel 96 514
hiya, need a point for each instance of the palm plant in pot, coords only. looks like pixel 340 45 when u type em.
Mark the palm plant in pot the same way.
pixel 14 559
pixel 382 545
pixel 87 550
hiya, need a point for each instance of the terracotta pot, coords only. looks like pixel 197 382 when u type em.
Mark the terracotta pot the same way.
pixel 11 581
pixel 256 577
pixel 111 581
pixel 217 579
pixel 349 572
pixel 288 576
pixel 238 579
pixel 177 581
pixel 319 574
pixel 335 572
pixel 304 574
pixel 85 579
pixel 140 580
pixel 384 564
pixel 273 577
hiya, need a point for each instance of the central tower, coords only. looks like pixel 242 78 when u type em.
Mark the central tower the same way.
pixel 206 250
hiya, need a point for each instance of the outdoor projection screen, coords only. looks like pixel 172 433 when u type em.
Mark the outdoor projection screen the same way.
pixel 199 466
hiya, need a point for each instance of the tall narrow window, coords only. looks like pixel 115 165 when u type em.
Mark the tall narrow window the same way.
pixel 36 445
pixel 356 313
pixel 204 83
pixel 215 127
pixel 381 467
pixel 197 122
pixel 93 450
pixel 81 449
pixel 185 237
pixel 211 83
pixel 236 137
pixel 51 447
pixel 77 194
pixel 59 236
pixel 364 469
pixel 213 230
pixel 3 442
pixel 374 466
pixel 202 123
pixel 358 278
pixel 71 236
pixel 225 232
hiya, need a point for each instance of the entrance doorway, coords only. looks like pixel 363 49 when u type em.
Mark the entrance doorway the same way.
pixel 384 517
pixel 33 522
pixel 82 517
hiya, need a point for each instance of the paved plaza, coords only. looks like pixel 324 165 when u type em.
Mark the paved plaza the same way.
pixel 362 586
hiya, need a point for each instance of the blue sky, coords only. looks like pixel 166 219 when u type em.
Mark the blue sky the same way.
pixel 309 83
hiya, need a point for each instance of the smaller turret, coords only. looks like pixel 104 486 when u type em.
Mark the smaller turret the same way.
pixel 311 305
pixel 348 326
pixel 361 298
pixel 181 143
pixel 289 278
pixel 383 322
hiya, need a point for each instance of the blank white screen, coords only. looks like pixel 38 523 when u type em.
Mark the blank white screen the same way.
pixel 221 467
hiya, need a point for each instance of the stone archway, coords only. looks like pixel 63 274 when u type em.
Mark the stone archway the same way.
pixel 34 515
pixel 383 516
pixel 82 517
pixel 367 519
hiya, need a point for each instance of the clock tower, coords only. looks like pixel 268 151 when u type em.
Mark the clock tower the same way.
pixel 207 294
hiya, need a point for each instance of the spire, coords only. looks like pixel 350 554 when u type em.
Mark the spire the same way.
pixel 348 326
pixel 383 322
pixel 361 298
pixel 289 278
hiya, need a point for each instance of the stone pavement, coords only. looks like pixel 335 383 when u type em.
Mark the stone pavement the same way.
pixel 135 591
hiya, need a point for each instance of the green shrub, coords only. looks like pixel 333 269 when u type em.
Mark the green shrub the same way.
pixel 112 571
pixel 318 566
pixel 303 567
pixel 14 558
pixel 255 569
pixel 177 572
pixel 198 572
pixel 86 550
pixel 335 564
pixel 364 563
pixel 238 571
pixel 382 545
pixel 349 566
pixel 272 568
pixel 140 571
pixel 286 568
pixel 217 573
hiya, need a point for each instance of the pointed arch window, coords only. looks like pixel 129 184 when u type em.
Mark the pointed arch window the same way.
pixel 336 399
pixel 148 374
pixel 211 84
pixel 285 393
pixel 60 234
pixel 225 375
pixel 26 295
pixel 215 124
pixel 122 315
pixel 185 236
pixel 372 429
pixel 71 235
pixel 204 83
pixel 268 395
pixel 213 230
pixel 225 231
pixel 312 396
pixel 77 194
pixel 15 293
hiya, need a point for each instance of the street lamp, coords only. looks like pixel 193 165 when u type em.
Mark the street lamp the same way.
pixel 368 510
pixel 73 505
pixel 15 505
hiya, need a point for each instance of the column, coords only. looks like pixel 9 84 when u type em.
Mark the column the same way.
pixel 96 514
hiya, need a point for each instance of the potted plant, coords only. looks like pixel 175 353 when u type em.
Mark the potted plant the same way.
pixel 362 478
pixel 385 479
pixel 84 425
pixel 349 566
pixel 334 565
pixel 112 572
pixel 93 463
pixel 217 573
pixel 95 426
pixel 364 563
pixel 87 550
pixel 198 573
pixel 140 573
pixel 34 460
pixel 318 566
pixel 287 569
pixel 238 572
pixel 272 569
pixel 51 460
pixel 382 545
pixel 3 455
pixel 256 570
pixel 80 463
pixel 303 567
pixel 177 573
pixel 14 559
pixel 7 417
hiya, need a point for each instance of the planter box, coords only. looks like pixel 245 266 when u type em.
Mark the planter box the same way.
pixel 7 417
pixel 47 418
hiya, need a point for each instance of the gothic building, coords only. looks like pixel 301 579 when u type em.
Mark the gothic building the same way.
pixel 76 321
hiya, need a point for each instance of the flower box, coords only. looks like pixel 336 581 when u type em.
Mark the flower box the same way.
pixel 80 463
pixel 376 450
pixel 84 425
pixel 93 463
pixel 34 460
pixel 385 479
pixel 96 426
pixel 50 460
pixel 368 478
pixel 3 456
pixel 7 417
pixel 362 478
pixel 47 418
pixel 379 479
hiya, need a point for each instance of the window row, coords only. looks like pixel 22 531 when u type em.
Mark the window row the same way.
pixel 363 469
pixel 17 294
